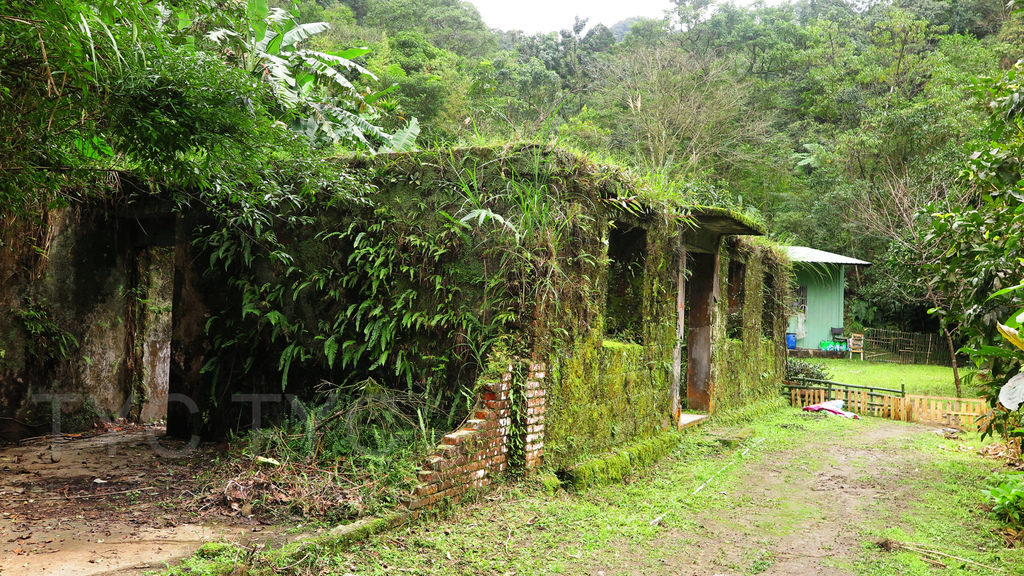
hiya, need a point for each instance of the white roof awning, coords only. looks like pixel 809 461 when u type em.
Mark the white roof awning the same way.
pixel 805 254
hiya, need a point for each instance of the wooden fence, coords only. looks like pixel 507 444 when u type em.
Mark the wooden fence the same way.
pixel 965 413
pixel 905 347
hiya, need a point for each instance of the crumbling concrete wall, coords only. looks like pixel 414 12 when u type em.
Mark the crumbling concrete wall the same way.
pixel 76 327
pixel 63 317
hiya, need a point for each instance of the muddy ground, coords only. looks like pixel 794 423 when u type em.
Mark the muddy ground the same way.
pixel 115 501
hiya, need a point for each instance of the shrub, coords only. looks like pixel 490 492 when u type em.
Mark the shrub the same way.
pixel 805 369
pixel 1006 494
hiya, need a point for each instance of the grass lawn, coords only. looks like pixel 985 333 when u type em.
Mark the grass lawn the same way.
pixel 918 379
pixel 804 494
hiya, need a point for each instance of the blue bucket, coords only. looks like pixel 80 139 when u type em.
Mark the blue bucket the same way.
pixel 791 340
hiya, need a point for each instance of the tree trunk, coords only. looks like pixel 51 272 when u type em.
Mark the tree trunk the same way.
pixel 952 359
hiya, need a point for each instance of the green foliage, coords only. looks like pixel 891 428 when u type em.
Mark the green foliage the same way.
pixel 1006 495
pixel 977 265
pixel 796 368
pixel 186 116
pixel 93 87
pixel 344 288
pixel 367 432
pixel 47 343
pixel 312 89
pixel 58 57
pixel 452 25
pixel 428 82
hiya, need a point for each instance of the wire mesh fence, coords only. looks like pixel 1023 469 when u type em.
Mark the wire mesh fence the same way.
pixel 905 347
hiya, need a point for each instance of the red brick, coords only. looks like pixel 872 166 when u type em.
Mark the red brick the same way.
pixel 485 415
pixel 426 490
pixel 496 404
pixel 456 438
pixel 453 452
pixel 422 502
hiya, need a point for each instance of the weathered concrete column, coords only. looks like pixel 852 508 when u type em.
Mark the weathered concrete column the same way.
pixel 703 285
pixel 677 352
pixel 188 342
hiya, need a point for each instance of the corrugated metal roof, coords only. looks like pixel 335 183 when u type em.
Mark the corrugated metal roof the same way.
pixel 805 254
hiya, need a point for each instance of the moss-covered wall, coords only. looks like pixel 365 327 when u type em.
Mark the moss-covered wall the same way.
pixel 600 394
pixel 750 368
pixel 409 274
pixel 603 392
pixel 79 311
pixel 62 320
pixel 409 278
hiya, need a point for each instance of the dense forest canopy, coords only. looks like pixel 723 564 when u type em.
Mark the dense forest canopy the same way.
pixel 842 125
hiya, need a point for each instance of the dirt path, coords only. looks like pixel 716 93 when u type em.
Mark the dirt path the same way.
pixel 800 511
pixel 103 504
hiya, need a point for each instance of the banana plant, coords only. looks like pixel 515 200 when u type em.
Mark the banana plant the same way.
pixel 315 95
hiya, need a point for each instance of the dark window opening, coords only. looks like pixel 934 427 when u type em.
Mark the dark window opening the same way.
pixel 627 256
pixel 735 295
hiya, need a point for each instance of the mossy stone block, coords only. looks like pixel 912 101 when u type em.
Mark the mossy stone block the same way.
pixel 550 483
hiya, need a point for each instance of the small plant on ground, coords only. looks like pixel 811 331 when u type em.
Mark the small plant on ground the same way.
pixel 806 369
pixel 1006 495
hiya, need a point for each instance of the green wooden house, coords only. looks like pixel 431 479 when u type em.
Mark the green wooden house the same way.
pixel 816 314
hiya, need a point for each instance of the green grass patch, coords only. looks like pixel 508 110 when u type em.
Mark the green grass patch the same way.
pixel 919 379
pixel 926 489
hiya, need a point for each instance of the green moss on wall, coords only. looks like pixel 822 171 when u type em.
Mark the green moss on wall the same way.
pixel 614 467
pixel 601 394
pixel 749 370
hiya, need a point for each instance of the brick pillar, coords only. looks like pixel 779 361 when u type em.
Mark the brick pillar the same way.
pixel 534 441
pixel 470 456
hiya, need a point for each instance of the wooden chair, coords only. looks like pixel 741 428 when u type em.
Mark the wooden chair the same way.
pixel 856 345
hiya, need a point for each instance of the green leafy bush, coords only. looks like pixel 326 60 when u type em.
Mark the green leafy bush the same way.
pixel 805 369
pixel 1006 494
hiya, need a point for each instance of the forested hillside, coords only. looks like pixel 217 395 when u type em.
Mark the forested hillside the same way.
pixel 835 122
pixel 842 125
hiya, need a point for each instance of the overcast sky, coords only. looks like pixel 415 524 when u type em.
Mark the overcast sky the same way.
pixel 553 15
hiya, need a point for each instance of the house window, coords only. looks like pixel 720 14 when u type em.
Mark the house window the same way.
pixel 799 302
pixel 627 257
